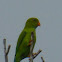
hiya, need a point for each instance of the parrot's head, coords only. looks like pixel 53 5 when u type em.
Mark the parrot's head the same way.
pixel 32 23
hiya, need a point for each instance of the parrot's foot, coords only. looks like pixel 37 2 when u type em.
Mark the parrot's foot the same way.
pixel 34 54
pixel 28 55
pixel 30 42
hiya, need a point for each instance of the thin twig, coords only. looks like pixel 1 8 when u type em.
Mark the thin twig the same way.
pixel 8 49
pixel 42 59
pixel 4 42
pixel 6 53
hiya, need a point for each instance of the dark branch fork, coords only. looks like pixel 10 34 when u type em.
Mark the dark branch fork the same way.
pixel 6 51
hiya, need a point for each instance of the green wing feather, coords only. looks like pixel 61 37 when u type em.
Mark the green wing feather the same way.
pixel 20 39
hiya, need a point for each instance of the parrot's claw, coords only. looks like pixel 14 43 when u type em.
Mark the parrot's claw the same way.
pixel 30 41
pixel 29 56
pixel 34 54
pixel 29 44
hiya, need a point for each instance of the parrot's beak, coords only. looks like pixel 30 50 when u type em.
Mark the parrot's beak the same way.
pixel 38 23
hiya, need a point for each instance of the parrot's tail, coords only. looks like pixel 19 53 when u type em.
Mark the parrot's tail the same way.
pixel 14 60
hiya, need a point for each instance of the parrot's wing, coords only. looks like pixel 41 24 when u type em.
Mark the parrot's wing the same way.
pixel 20 39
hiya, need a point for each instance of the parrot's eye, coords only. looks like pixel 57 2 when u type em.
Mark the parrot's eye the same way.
pixel 33 19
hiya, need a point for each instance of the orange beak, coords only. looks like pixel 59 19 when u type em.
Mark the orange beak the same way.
pixel 38 23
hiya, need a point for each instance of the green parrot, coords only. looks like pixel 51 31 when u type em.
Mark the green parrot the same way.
pixel 24 40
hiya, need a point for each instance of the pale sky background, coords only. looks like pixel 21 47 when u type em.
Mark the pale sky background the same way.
pixel 13 15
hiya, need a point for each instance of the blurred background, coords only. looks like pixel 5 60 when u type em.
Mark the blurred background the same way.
pixel 13 15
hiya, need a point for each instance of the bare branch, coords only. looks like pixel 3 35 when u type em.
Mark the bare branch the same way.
pixel 32 56
pixel 4 42
pixel 31 47
pixel 8 49
pixel 6 53
pixel 42 59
